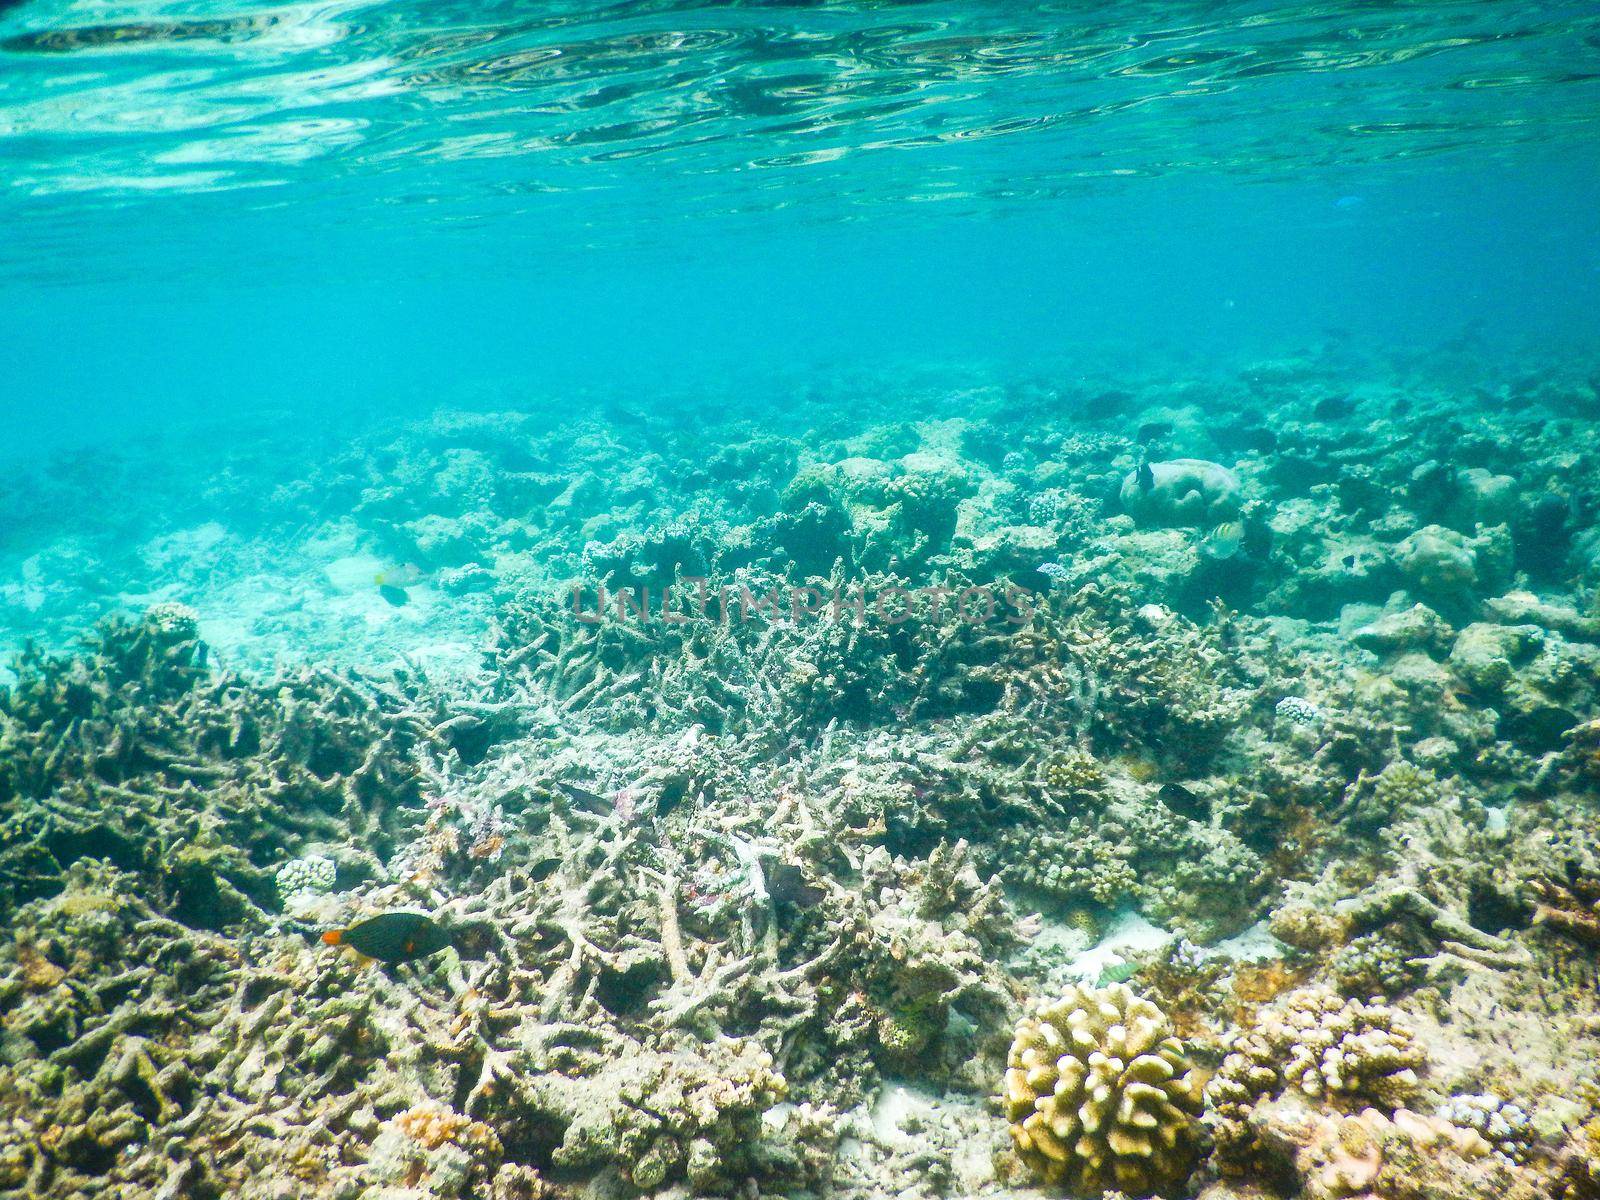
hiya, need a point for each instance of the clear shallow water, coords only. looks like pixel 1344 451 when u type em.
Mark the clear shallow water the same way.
pixel 371 201
pixel 486 107
pixel 497 299
pixel 314 215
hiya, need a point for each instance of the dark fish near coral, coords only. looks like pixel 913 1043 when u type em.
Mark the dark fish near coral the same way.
pixel 543 869
pixel 1185 803
pixel 1258 438
pixel 392 937
pixel 1105 404
pixel 1333 408
pixel 1145 477
pixel 787 884
pixel 1151 430
pixel 395 596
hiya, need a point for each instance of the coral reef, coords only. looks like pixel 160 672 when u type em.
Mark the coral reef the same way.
pixel 758 768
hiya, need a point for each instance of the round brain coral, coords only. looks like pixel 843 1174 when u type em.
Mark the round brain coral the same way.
pixel 1100 1095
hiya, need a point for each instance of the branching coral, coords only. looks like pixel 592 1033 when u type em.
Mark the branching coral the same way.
pixel 200 783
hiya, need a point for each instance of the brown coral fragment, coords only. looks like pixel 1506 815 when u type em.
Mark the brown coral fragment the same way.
pixel 434 1125
pixel 1369 1155
pixel 1571 909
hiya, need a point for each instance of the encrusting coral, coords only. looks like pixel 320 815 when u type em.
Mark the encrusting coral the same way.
pixel 1317 1044
pixel 1185 491
pixel 1375 1155
pixel 1100 1095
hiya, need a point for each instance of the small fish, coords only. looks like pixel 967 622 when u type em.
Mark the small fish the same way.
pixel 1184 802
pixel 1333 408
pixel 392 584
pixel 787 884
pixel 588 800
pixel 1145 477
pixel 543 869
pixel 407 574
pixel 1119 971
pixel 392 937
pixel 1151 430
pixel 1224 541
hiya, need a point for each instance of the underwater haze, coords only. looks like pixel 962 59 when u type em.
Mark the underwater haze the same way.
pixel 369 204
pixel 820 600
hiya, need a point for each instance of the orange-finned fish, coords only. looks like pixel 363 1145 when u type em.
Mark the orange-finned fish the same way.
pixel 392 937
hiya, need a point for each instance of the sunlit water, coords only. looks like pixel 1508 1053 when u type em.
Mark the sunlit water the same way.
pixel 390 188
pixel 297 221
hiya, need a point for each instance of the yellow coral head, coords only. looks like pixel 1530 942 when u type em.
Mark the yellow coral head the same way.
pixel 1100 1095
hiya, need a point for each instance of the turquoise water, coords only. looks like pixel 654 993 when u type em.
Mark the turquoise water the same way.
pixel 219 204
pixel 1143 739
pixel 305 222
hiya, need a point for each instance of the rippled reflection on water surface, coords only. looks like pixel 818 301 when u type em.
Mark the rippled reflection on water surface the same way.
pixel 106 99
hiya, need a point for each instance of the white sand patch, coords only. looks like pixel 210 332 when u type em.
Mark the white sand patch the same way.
pixel 354 573
pixel 456 659
pixel 1128 934
pixel 183 547
pixel 898 1106
pixel 1255 944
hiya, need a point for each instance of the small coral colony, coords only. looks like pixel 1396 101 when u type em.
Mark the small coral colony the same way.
pixel 1093 786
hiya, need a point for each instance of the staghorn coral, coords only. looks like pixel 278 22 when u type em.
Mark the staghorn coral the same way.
pixel 201 783
pixel 1100 1095
pixel 1438 867
pixel 145 1030
pixel 1570 906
